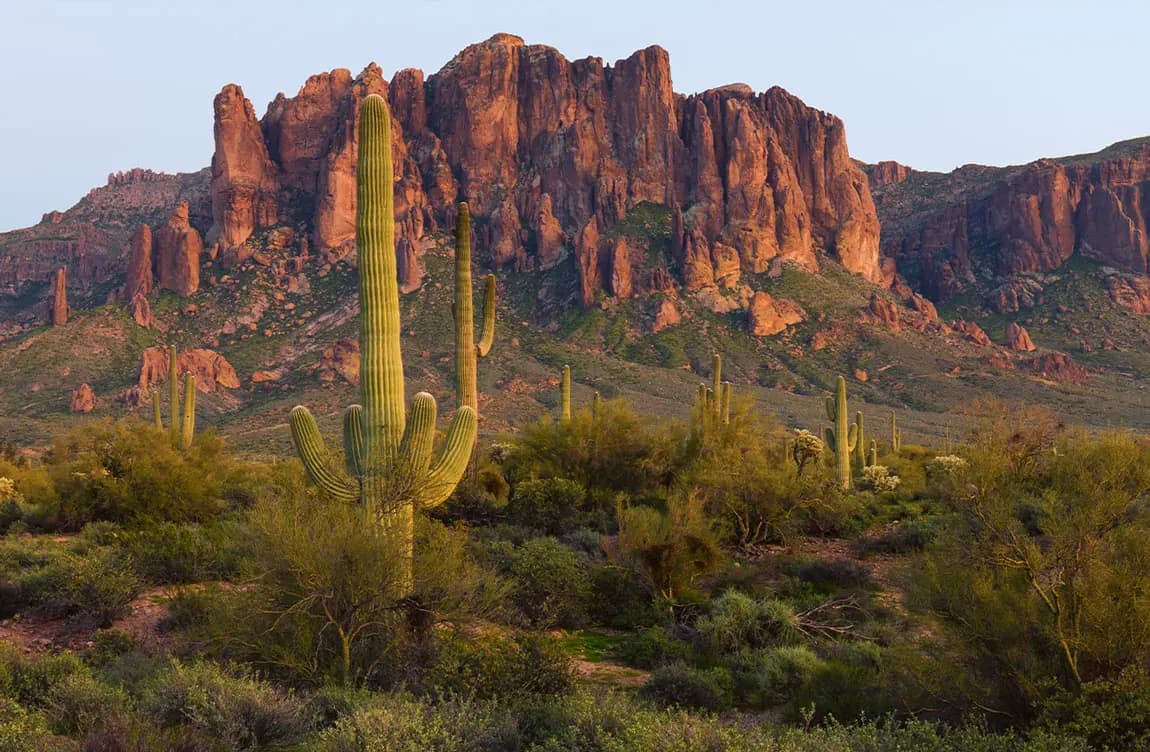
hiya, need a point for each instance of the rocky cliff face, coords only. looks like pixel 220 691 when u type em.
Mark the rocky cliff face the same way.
pixel 995 225
pixel 551 154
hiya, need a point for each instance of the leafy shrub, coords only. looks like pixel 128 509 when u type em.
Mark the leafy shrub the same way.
pixel 689 687
pixel 109 644
pixel 1110 714
pixel 652 647
pixel 619 598
pixel 736 622
pixel 847 686
pixel 485 669
pixel 79 704
pixel 550 584
pixel 172 553
pixel 30 680
pixel 830 575
pixel 100 583
pixel 552 506
pixel 241 712
pixel 22 731
pixel 902 538
pixel 400 724
pixel 766 678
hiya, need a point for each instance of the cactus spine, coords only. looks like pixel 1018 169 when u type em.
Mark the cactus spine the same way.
pixel 388 449
pixel 860 442
pixel 565 396
pixel 842 437
pixel 895 434
pixel 466 349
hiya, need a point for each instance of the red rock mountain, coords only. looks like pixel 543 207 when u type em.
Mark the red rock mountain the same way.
pixel 551 154
pixel 978 223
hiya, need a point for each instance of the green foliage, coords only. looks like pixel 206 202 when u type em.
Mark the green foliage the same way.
pixel 30 680
pixel 241 712
pixel 1112 714
pixel 737 622
pixel 770 677
pixel 530 665
pixel 100 583
pixel 172 553
pixel 685 686
pixel 550 505
pixel 652 647
pixel 127 472
pixel 669 549
pixel 79 704
pixel 550 583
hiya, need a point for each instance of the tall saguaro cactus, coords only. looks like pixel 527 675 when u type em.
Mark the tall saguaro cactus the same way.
pixel 842 438
pixel 188 424
pixel 388 449
pixel 466 349
pixel 895 434
pixel 183 424
pixel 174 387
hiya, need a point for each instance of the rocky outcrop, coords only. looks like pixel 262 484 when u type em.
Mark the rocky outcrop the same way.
pixel 1057 366
pixel 549 152
pixel 83 399
pixel 140 280
pixel 212 371
pixel 1130 292
pixel 1017 338
pixel 60 308
pixel 666 315
pixel 341 359
pixel 141 311
pixel 948 231
pixel 245 184
pixel 767 316
pixel 885 312
pixel 973 332
pixel 177 248
pixel 887 173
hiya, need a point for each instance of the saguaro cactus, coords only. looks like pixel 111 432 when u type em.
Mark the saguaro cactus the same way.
pixel 874 452
pixel 174 387
pixel 860 442
pixel 843 436
pixel 388 450
pixel 183 424
pixel 156 416
pixel 466 349
pixel 188 425
pixel 895 434
pixel 565 396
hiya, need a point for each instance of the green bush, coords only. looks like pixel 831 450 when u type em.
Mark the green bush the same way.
pixel 620 599
pixel 685 686
pixel 499 668
pixel 737 622
pixel 30 680
pixel 906 537
pixel 829 576
pixel 110 644
pixel 173 553
pixel 652 647
pixel 78 704
pixel 766 678
pixel 240 712
pixel 552 506
pixel 847 686
pixel 101 584
pixel 1112 715
pixel 22 731
pixel 550 583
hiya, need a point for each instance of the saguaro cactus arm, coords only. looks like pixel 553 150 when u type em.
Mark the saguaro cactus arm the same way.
pixel 312 452
pixel 188 427
pixel 487 334
pixel 353 440
pixel 157 416
pixel 449 467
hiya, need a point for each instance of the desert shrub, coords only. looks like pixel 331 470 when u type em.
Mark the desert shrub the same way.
pixel 242 712
pixel 770 677
pixel 129 472
pixel 737 622
pixel 400 724
pixel 30 679
pixel 829 575
pixel 79 704
pixel 1112 714
pixel 847 685
pixel 689 687
pixel 652 647
pixel 901 538
pixel 24 731
pixel 100 583
pixel 879 479
pixel 550 584
pixel 329 705
pixel 670 550
pixel 552 505
pixel 833 513
pixel 110 644
pixel 619 598
pixel 499 668
pixel 179 553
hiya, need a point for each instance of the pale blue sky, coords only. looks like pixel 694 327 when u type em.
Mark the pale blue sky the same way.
pixel 93 86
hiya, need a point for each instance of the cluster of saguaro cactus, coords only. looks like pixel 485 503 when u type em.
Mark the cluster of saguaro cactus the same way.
pixel 895 434
pixel 842 438
pixel 184 423
pixel 388 449
pixel 467 350
pixel 713 404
